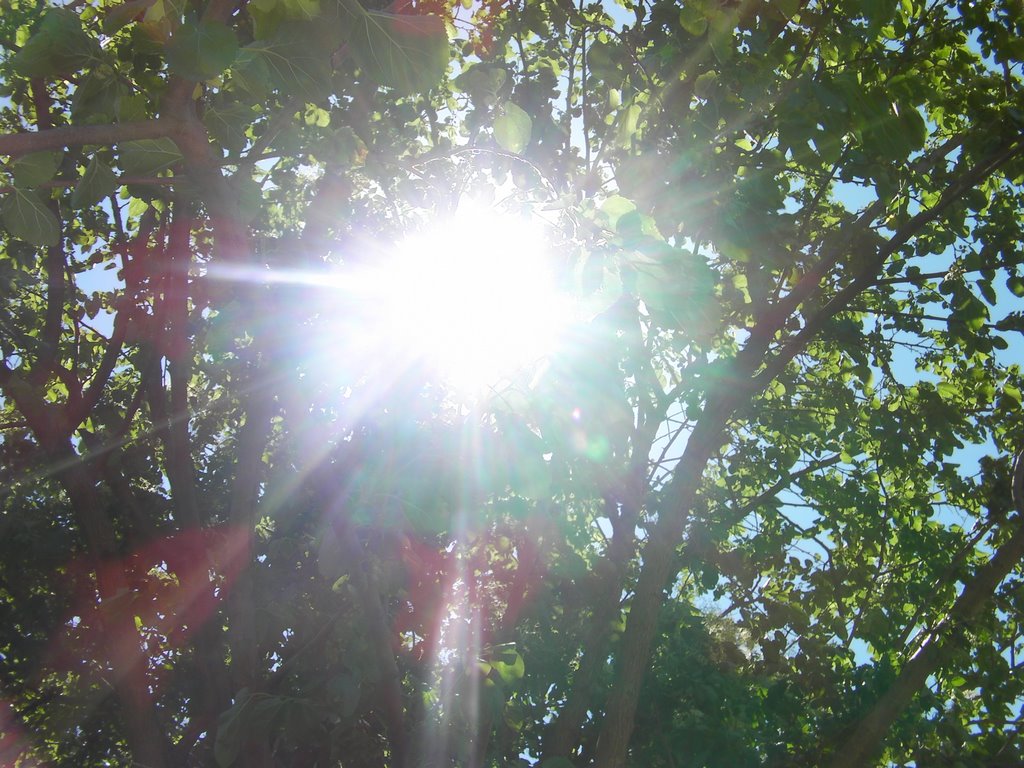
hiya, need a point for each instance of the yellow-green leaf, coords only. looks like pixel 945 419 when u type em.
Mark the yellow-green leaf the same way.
pixel 512 128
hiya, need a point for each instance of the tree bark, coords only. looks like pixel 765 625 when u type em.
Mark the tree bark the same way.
pixel 708 435
pixel 866 738
pixel 15 144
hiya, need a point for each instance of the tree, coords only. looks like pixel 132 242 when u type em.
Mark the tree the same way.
pixel 741 519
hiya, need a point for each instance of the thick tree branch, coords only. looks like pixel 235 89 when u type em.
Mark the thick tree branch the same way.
pixel 252 441
pixel 174 313
pixel 383 644
pixel 126 660
pixel 79 411
pixel 867 276
pixel 564 732
pixel 56 261
pixel 707 437
pixel 865 739
pixel 15 144
pixel 775 317
pixel 659 562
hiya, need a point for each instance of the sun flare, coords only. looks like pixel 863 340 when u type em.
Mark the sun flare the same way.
pixel 474 298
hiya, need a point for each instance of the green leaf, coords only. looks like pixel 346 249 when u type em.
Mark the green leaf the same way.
pixel 249 196
pixel 402 51
pixel 629 120
pixel 914 127
pixel 231 731
pixel 512 128
pixel 788 8
pixel 343 147
pixel 692 19
pixel 705 85
pixel 249 715
pixel 96 183
pixel 483 82
pixel 59 47
pixel 510 666
pixel 1016 285
pixel 344 688
pixel 251 74
pixel 27 217
pixel 202 51
pixel 297 60
pixel 36 168
pixel 615 207
pixel 146 157
pixel 877 12
pixel 124 14
pixel 227 124
pixel 721 35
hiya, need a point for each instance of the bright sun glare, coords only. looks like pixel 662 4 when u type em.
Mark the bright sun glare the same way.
pixel 474 297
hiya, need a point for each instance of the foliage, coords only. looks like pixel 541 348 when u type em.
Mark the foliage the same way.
pixel 740 519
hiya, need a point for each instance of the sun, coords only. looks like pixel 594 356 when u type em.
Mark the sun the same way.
pixel 473 298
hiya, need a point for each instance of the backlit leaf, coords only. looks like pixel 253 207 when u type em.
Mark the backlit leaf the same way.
pixel 27 217
pixel 692 19
pixel 402 51
pixel 96 183
pixel 146 157
pixel 59 47
pixel 124 14
pixel 36 168
pixel 227 124
pixel 202 51
pixel 512 128
pixel 297 59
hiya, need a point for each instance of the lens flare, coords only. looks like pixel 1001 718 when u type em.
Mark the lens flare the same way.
pixel 473 298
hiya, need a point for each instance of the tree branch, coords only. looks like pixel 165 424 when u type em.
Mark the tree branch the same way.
pixel 77 412
pixel 865 739
pixel 707 436
pixel 869 273
pixel 145 737
pixel 174 312
pixel 15 144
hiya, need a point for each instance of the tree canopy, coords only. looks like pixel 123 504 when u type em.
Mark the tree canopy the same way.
pixel 756 503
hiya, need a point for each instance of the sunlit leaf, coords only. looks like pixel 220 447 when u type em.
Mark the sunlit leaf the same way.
pixel 512 128
pixel 402 51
